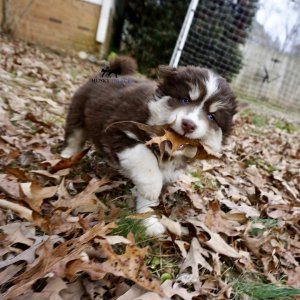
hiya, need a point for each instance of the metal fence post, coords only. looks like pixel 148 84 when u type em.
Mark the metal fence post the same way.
pixel 183 33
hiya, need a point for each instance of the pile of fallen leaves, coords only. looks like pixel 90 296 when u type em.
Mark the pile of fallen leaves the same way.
pixel 65 226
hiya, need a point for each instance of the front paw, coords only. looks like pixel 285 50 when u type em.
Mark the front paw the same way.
pixel 150 188
pixel 153 226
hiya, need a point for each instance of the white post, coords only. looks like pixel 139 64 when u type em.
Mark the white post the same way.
pixel 183 33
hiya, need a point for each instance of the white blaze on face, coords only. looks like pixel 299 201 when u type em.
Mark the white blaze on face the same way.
pixel 212 86
pixel 194 93
pixel 215 106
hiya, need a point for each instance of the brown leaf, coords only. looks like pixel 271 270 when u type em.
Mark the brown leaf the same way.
pixel 133 293
pixel 179 142
pixel 10 186
pixel 171 225
pixel 92 268
pixel 9 272
pixel 216 242
pixel 293 277
pixel 170 289
pixel 60 222
pixel 55 260
pixel 69 162
pixel 249 211
pixel 130 265
pixel 19 232
pixel 29 254
pixel 254 176
pixel 29 116
pixel 194 259
pixel 216 221
pixel 55 286
pixel 162 134
pixel 254 244
pixel 18 173
pixel 35 194
pixel 117 239
pixel 86 197
pixel 73 291
pixel 20 210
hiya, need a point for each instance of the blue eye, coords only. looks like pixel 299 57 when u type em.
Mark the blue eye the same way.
pixel 211 117
pixel 185 100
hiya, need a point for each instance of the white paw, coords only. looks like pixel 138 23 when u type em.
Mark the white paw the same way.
pixel 67 152
pixel 144 205
pixel 153 226
pixel 150 189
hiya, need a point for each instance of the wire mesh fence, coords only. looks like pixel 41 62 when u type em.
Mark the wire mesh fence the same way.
pixel 234 38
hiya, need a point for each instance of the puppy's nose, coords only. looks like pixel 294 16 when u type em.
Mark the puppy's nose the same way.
pixel 188 126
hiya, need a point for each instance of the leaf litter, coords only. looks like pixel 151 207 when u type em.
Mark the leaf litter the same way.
pixel 65 226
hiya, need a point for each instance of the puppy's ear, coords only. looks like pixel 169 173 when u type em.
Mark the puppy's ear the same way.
pixel 166 72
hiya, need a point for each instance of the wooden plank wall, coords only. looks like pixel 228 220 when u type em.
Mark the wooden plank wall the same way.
pixel 62 24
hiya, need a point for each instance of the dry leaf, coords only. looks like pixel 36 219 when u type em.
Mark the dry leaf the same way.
pixel 162 134
pixel 171 225
pixel 216 242
pixel 9 272
pixel 35 194
pixel 116 239
pixel 20 210
pixel 250 211
pixel 194 259
pixel 130 265
pixel 68 162
pixel 10 186
pixel 55 260
pixel 170 289
pixel 86 197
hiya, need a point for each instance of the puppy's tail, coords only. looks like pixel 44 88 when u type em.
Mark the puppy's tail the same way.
pixel 123 65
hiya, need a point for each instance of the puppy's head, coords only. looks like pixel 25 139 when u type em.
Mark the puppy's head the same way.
pixel 199 104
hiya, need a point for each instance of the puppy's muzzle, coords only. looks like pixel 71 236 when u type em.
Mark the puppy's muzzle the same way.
pixel 188 126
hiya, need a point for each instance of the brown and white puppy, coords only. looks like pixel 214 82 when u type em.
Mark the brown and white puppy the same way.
pixel 199 104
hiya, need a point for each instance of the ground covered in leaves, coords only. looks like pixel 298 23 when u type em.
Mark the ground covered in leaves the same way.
pixel 64 228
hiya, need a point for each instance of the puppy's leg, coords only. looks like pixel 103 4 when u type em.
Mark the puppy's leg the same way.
pixel 74 143
pixel 152 224
pixel 141 166
pixel 75 135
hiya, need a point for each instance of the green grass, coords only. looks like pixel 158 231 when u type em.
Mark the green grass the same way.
pixel 267 224
pixel 262 291
pixel 256 286
pixel 272 105
pixel 203 182
pixel 258 161
pixel 126 225
pixel 286 118
pixel 257 120
pixel 283 125
pixel 260 121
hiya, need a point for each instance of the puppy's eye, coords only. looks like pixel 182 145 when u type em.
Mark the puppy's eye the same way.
pixel 185 100
pixel 211 117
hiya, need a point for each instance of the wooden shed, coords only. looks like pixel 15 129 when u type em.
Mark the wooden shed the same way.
pixel 72 25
